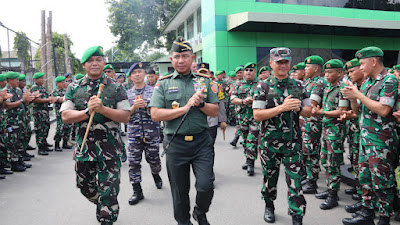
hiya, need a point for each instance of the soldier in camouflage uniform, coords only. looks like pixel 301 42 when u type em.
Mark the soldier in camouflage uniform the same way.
pixel 41 113
pixel 98 162
pixel 242 97
pixel 230 108
pixel 73 126
pixel 300 72
pixel 143 134
pixel 3 150
pixel 314 86
pixel 332 130
pixel 374 104
pixel 264 73
pixel 239 77
pixel 278 103
pixel 61 130
pixel 28 131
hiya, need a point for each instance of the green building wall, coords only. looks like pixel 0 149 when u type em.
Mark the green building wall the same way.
pixel 230 49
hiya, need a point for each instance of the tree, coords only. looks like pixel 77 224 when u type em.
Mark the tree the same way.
pixel 121 55
pixel 22 45
pixel 135 22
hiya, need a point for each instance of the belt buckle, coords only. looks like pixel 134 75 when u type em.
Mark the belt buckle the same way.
pixel 188 138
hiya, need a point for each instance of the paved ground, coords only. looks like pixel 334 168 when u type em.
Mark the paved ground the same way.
pixel 46 195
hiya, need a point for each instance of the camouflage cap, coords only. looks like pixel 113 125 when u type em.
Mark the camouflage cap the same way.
pixel 38 75
pixel 351 64
pixel 281 53
pixel 181 45
pixel 59 79
pixel 12 75
pixel 239 68
pixel 2 77
pixel 92 51
pixel 79 76
pixel 22 77
pixel 333 64
pixel 314 59
pixel 108 66
pixel 369 52
pixel 250 65
pixel 299 66
pixel 203 66
pixel 396 67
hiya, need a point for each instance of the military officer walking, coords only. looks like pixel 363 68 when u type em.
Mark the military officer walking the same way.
pixel 174 95
pixel 97 164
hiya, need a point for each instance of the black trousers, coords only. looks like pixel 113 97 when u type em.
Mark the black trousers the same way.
pixel 212 131
pixel 181 155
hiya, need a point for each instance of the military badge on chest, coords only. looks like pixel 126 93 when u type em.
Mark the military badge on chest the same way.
pixel 199 84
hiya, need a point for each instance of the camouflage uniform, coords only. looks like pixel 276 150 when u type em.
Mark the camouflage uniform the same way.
pixel 332 136
pixel 144 135
pixel 248 126
pixel 101 155
pixel 27 132
pixel 3 150
pixel 61 130
pixel 41 117
pixel 230 112
pixel 377 145
pixel 275 146
pixel 313 129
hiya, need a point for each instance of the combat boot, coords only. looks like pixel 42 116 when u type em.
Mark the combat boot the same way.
pixel 3 170
pixel 244 166
pixel 310 187
pixel 42 151
pixel 353 208
pixel 331 201
pixel 30 148
pixel 269 214
pixel 137 194
pixel 322 195
pixel 2 177
pixel 250 167
pixel 364 217
pixel 235 140
pixel 16 167
pixel 26 155
pixel 356 197
pixel 200 218
pixel 397 216
pixel 23 164
pixel 47 144
pixel 124 157
pixel 350 191
pixel 65 144
pixel 303 182
pixel 157 180
pixel 57 146
pixel 383 220
pixel 297 220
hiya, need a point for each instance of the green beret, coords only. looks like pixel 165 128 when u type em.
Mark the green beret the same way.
pixel 79 76
pixel 2 77
pixel 351 64
pixel 369 52
pixel 314 59
pixel 60 79
pixel 250 65
pixel 219 72
pixel 108 66
pixel 181 45
pixel 165 74
pixel 264 68
pixel 38 75
pixel 333 64
pixel 12 75
pixel 157 72
pixel 239 68
pixel 396 67
pixel 92 51
pixel 232 74
pixel 299 66
pixel 22 77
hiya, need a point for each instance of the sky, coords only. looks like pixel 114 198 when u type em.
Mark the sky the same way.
pixel 85 21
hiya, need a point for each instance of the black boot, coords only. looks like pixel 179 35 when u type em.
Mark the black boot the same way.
pixel 65 144
pixel 47 144
pixel 310 187
pixel 3 170
pixel 322 195
pixel 26 155
pixel 269 214
pixel 250 167
pixel 353 208
pixel 42 151
pixel 124 157
pixel 356 197
pixel 200 218
pixel 244 166
pixel 331 201
pixel 137 194
pixel 47 149
pixel 57 146
pixel 16 167
pixel 30 148
pixel 383 220
pixel 297 220
pixel 350 191
pixel 364 217
pixel 157 180
pixel 26 165
pixel 235 140
pixel 2 177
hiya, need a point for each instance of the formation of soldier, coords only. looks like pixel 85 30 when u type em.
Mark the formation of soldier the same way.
pixel 297 116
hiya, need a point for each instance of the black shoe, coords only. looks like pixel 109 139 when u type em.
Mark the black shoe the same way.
pixel 353 208
pixel 17 167
pixel 234 141
pixel 303 182
pixel 124 157
pixel 2 177
pixel 350 191
pixel 157 181
pixel 27 155
pixel 365 217
pixel 324 195
pixel 137 194
pixel 310 187
pixel 269 214
pixel 48 145
pixel 297 220
pixel 201 219
pixel 356 197
pixel 331 201
pixel 4 171
pixel 57 146
pixel 42 151
pixel 26 158
pixel 47 149
pixel 30 148
pixel 250 167
pixel 7 165
pixel 383 220
pixel 244 166
pixel 65 145
pixel 26 165
pixel 397 216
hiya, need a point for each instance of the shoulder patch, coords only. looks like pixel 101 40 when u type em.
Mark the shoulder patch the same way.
pixel 162 78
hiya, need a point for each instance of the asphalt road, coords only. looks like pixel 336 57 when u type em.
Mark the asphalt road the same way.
pixel 46 194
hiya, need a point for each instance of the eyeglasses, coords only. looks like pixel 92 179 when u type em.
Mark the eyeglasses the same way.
pixel 249 70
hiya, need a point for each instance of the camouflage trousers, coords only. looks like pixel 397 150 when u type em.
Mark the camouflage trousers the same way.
pixel 331 160
pixel 377 178
pixel 99 183
pixel 271 162
pixel 230 113
pixel 249 131
pixel 60 130
pixel 152 154
pixel 42 126
pixel 311 149
pixel 27 132
pixel 354 149
pixel 14 143
pixel 3 149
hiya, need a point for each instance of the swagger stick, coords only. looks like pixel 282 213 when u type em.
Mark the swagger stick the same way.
pixel 101 87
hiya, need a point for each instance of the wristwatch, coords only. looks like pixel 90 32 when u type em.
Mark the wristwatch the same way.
pixel 87 111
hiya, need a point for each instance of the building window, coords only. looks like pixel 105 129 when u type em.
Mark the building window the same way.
pixel 190 27
pixel 181 30
pixel 199 20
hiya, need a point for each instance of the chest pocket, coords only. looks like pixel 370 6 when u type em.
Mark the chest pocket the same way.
pixel 242 93
pixel 173 96
pixel 373 93
pixel 81 99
